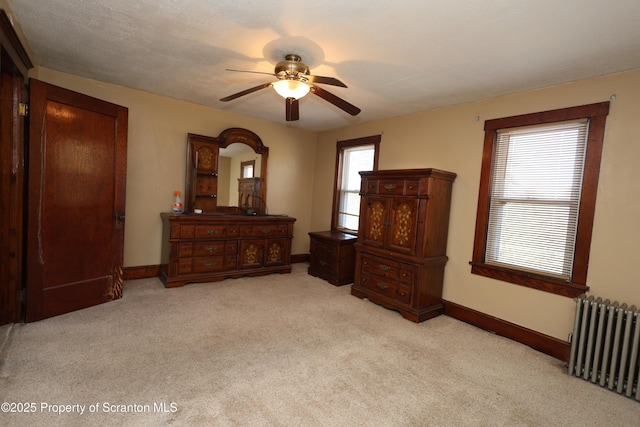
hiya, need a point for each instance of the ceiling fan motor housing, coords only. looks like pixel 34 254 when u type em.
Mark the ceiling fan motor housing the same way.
pixel 295 75
pixel 291 67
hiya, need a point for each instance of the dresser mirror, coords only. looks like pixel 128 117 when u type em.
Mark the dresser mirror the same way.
pixel 226 174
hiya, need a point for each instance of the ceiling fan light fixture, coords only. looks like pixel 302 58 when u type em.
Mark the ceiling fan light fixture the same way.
pixel 291 88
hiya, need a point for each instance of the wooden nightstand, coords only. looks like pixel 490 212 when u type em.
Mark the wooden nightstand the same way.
pixel 332 256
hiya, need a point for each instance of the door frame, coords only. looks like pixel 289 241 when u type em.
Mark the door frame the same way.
pixel 15 65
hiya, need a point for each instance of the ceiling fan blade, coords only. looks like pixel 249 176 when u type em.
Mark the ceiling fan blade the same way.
pixel 247 71
pixel 292 109
pixel 244 92
pixel 335 100
pixel 320 79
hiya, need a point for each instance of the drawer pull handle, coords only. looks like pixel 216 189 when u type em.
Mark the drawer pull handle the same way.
pixel 212 232
pixel 382 286
pixel 384 267
pixel 209 249
pixel 323 263
pixel 209 264
pixel 389 187
pixel 266 230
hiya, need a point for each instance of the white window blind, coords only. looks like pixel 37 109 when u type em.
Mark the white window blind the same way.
pixel 354 160
pixel 536 183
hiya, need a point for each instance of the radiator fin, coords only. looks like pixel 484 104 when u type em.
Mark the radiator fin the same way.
pixel 605 345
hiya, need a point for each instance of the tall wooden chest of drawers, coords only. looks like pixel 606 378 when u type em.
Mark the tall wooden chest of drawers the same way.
pixel 207 248
pixel 402 240
pixel 332 256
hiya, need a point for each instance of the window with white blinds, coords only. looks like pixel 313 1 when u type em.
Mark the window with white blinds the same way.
pixel 354 160
pixel 536 181
pixel 352 156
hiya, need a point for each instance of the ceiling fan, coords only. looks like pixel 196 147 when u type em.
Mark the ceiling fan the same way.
pixel 294 82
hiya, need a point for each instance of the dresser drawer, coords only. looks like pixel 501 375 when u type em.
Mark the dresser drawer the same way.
pixel 185 249
pixel 187 231
pixel 392 187
pixel 389 288
pixel 398 187
pixel 185 265
pixel 212 231
pixel 208 248
pixel 231 247
pixel 230 262
pixel 263 230
pixel 246 186
pixel 386 268
pixel 204 264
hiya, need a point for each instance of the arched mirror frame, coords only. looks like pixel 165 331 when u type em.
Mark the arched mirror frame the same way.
pixel 226 138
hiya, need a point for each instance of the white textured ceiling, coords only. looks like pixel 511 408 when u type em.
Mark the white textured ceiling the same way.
pixel 396 57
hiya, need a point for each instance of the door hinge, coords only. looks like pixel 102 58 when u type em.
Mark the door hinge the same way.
pixel 23 109
pixel 20 295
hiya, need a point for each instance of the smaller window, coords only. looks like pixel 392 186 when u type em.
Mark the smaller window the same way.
pixel 353 156
pixel 247 169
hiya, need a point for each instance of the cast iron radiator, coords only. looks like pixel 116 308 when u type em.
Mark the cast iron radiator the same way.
pixel 604 345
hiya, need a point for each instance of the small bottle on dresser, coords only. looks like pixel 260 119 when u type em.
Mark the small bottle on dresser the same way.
pixel 177 204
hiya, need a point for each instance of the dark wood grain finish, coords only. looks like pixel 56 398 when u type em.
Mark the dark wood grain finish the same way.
pixel 15 64
pixel 332 256
pixel 140 272
pixel 541 342
pixel 402 240
pixel 76 203
pixel 208 248
pixel 201 180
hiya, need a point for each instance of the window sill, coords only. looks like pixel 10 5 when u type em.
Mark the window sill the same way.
pixel 530 280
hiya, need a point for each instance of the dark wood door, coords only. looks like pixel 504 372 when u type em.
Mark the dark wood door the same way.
pixel 76 200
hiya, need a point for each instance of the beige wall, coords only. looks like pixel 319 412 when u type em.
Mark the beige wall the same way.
pixel 452 139
pixel 156 161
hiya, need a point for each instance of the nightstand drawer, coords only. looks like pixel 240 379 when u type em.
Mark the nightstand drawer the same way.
pixel 324 249
pixel 324 264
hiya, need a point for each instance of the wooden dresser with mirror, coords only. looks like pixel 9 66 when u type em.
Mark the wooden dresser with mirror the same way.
pixel 224 240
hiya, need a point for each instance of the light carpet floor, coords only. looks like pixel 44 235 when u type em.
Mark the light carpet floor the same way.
pixel 282 350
